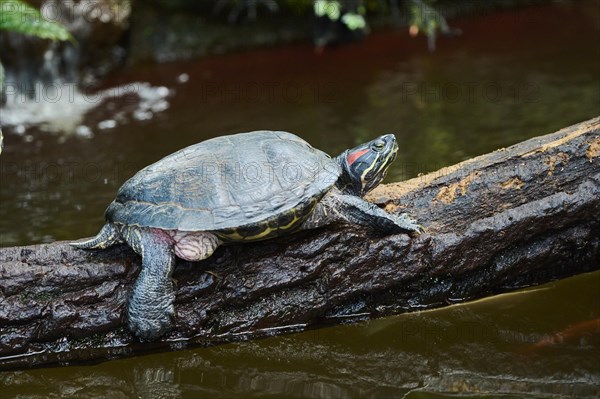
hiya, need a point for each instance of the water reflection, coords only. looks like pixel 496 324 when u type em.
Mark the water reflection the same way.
pixel 54 187
pixel 473 95
pixel 60 107
pixel 482 348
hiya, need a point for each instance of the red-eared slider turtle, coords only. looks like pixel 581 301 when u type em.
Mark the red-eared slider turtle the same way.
pixel 239 188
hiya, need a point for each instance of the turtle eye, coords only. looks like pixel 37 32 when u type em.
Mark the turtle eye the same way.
pixel 378 146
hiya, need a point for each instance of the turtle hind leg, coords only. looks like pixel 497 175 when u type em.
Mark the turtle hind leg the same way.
pixel 194 246
pixel 109 235
pixel 150 309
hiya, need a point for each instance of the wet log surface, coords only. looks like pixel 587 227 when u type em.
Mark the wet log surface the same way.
pixel 516 217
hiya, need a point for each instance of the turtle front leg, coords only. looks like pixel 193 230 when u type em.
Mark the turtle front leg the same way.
pixel 356 210
pixel 150 310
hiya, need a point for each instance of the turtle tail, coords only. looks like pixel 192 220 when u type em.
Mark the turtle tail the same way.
pixel 109 235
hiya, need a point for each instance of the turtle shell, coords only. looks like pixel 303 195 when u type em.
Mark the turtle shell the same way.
pixel 225 183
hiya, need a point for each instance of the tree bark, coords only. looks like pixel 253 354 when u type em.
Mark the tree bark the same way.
pixel 516 217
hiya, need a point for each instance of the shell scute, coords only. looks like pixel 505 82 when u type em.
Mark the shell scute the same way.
pixel 228 182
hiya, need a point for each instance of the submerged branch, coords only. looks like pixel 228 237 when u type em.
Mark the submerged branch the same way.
pixel 516 217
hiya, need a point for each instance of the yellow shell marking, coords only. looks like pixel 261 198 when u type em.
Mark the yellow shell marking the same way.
pixel 268 231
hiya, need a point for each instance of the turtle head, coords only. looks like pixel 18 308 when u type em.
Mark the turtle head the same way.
pixel 365 166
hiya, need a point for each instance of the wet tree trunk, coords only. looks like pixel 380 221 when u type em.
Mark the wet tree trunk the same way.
pixel 516 217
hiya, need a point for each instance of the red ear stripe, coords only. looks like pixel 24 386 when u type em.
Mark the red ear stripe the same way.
pixel 354 156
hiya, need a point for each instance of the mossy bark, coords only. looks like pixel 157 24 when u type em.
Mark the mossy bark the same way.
pixel 516 217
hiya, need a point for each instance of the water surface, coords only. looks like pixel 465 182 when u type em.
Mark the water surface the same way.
pixel 511 76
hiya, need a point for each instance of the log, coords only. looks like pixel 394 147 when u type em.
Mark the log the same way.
pixel 517 217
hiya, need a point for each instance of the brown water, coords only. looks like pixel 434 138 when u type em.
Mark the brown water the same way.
pixel 511 76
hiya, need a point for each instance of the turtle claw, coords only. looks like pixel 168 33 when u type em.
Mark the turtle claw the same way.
pixel 409 224
pixel 150 329
pixel 215 275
